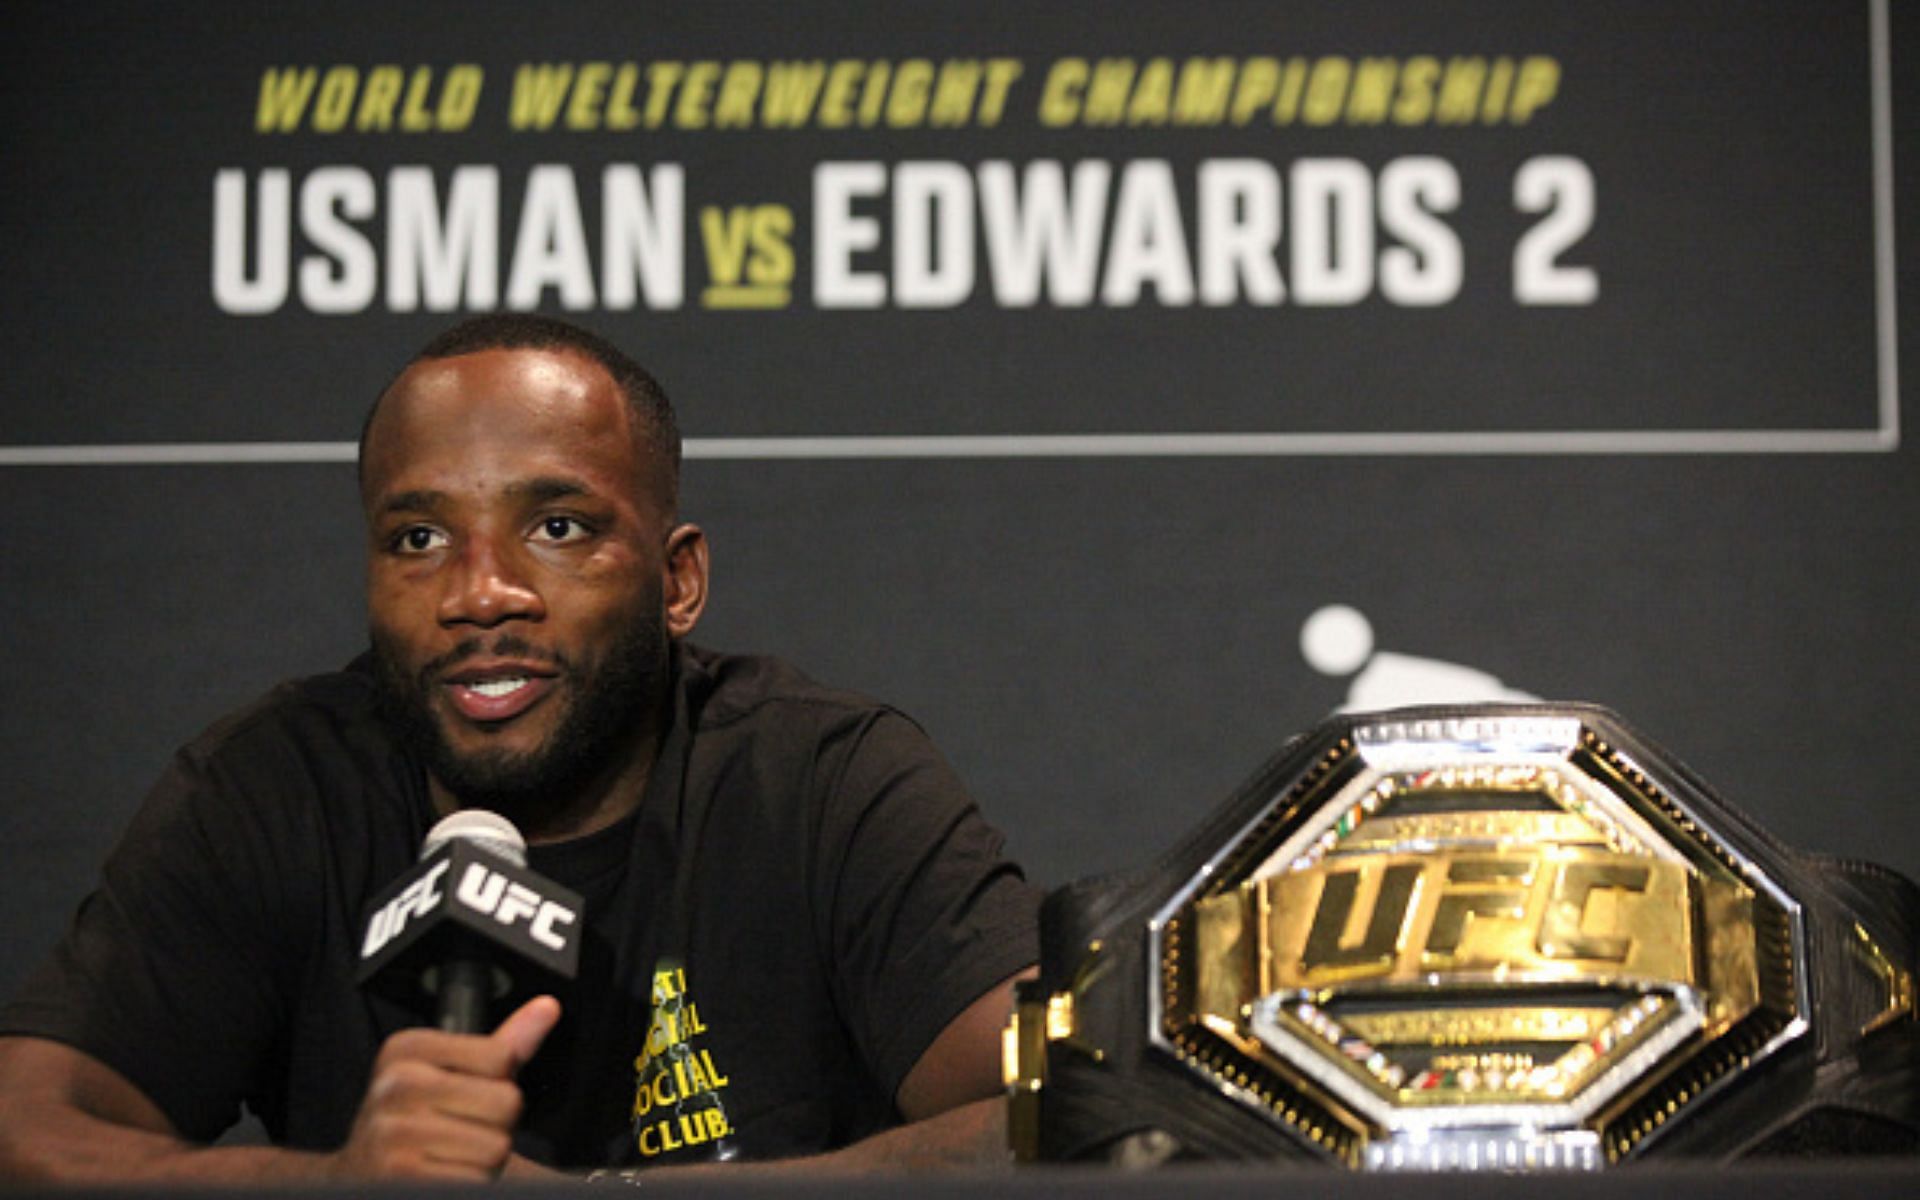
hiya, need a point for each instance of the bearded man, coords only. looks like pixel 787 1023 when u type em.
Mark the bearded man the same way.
pixel 800 935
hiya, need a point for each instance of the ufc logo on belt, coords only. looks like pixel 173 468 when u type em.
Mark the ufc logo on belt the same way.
pixel 1564 912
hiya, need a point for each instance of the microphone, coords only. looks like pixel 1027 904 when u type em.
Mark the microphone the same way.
pixel 469 926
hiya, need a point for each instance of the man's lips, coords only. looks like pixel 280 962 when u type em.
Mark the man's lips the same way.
pixel 493 692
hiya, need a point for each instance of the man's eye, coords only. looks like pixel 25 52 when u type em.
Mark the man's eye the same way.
pixel 418 539
pixel 560 529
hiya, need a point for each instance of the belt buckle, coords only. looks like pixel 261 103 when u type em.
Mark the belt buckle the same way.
pixel 1482 941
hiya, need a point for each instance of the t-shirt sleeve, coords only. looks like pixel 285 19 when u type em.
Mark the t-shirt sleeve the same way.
pixel 925 911
pixel 168 972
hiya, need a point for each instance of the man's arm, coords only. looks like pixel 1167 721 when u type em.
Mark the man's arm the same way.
pixel 962 1064
pixel 953 1100
pixel 440 1106
pixel 916 858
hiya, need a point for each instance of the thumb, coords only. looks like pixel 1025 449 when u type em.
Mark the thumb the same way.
pixel 523 1031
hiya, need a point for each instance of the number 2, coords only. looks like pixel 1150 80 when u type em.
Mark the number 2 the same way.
pixel 1562 188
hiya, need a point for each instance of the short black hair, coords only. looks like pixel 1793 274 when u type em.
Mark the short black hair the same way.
pixel 530 331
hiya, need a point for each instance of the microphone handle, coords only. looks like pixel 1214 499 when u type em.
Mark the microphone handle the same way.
pixel 465 992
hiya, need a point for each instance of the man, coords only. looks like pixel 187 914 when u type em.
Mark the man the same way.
pixel 800 935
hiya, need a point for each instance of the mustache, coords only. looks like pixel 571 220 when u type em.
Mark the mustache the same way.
pixel 504 645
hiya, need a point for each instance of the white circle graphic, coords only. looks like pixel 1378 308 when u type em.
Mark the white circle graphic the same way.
pixel 1336 640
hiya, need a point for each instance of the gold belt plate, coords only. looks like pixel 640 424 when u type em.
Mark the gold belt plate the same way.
pixel 1502 945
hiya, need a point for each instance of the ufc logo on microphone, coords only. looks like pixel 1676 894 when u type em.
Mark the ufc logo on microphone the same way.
pixel 492 894
pixel 419 899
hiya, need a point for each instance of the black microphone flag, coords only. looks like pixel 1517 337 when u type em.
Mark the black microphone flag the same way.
pixel 470 925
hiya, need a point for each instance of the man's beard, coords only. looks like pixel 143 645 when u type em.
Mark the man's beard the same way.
pixel 608 706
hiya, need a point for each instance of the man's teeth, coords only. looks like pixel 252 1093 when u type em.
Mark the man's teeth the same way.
pixel 495 688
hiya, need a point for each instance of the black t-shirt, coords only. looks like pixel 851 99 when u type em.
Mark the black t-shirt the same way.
pixel 803 900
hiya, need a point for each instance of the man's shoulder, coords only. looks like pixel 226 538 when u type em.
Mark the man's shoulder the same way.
pixel 728 689
pixel 311 763
pixel 330 712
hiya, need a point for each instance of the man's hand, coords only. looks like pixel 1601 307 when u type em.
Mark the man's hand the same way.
pixel 443 1105
pixel 440 1106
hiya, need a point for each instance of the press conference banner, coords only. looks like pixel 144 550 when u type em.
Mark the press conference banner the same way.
pixel 1239 220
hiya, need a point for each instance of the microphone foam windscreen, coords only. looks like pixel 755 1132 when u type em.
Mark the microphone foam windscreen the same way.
pixel 488 830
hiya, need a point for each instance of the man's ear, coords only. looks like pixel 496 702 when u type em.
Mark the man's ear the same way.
pixel 684 591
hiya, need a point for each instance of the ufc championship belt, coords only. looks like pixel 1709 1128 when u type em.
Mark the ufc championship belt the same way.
pixel 1486 937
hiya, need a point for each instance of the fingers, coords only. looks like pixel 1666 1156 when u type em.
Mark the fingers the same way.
pixel 459 1053
pixel 498 1055
pixel 389 1143
pixel 414 1085
pixel 444 1105
pixel 522 1032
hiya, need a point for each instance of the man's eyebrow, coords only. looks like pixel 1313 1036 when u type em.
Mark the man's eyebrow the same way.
pixel 422 500
pixel 548 487
pixel 537 490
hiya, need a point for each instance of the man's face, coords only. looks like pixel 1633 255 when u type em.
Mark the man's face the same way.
pixel 523 579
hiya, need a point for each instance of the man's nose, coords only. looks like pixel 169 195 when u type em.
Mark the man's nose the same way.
pixel 487 586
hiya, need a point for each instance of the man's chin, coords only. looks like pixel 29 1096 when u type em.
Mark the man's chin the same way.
pixel 507 742
pixel 516 786
pixel 504 763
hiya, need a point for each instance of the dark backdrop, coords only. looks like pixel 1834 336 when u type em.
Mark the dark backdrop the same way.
pixel 1078 532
